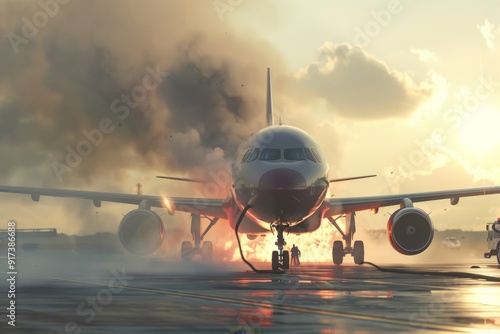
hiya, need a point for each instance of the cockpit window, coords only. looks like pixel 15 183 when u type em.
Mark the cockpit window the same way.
pixel 270 154
pixel 254 155
pixel 245 157
pixel 295 154
pixel 309 155
pixel 316 155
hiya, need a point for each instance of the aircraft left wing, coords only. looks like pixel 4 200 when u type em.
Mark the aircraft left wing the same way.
pixel 204 206
pixel 337 206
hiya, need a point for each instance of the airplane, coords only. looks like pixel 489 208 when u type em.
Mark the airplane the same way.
pixel 279 183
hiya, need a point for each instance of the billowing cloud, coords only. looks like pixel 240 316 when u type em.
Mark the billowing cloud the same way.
pixel 92 88
pixel 358 85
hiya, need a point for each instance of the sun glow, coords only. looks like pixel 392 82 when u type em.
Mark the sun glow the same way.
pixel 480 132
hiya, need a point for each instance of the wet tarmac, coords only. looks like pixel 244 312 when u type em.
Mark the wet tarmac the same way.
pixel 97 293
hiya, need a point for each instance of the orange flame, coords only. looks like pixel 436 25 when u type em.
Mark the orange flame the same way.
pixel 167 205
pixel 314 247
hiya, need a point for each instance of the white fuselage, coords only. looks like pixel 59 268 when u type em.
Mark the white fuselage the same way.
pixel 283 171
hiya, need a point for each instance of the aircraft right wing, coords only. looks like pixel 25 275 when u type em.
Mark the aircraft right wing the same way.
pixel 337 206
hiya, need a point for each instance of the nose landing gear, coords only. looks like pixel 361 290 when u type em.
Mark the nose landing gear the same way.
pixel 280 258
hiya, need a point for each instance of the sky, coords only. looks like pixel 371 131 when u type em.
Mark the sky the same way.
pixel 103 95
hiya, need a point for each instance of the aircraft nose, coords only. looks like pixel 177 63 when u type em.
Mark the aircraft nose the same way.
pixel 282 178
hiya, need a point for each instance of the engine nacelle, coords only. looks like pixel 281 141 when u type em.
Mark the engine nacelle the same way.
pixel 410 230
pixel 141 231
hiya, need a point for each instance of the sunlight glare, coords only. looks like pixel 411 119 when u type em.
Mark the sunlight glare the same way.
pixel 480 131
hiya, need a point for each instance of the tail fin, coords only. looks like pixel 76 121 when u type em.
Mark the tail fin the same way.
pixel 269 102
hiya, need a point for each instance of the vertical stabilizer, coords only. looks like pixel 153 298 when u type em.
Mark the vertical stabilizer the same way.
pixel 269 102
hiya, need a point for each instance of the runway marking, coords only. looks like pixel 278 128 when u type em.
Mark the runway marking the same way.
pixel 308 275
pixel 299 309
pixel 430 287
pixel 314 279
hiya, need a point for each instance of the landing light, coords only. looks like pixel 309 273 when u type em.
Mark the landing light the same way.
pixel 167 205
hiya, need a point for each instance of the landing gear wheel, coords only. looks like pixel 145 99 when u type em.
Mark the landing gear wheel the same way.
pixel 286 260
pixel 281 257
pixel 338 252
pixel 358 252
pixel 498 254
pixel 187 251
pixel 275 260
pixel 207 251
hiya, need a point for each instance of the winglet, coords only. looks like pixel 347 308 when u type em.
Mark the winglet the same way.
pixel 269 102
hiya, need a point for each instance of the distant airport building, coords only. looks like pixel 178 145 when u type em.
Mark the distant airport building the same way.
pixel 28 239
pixel 31 233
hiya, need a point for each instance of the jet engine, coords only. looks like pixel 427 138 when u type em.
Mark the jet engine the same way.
pixel 141 231
pixel 410 230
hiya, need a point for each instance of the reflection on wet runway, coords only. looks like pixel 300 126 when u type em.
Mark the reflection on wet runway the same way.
pixel 123 295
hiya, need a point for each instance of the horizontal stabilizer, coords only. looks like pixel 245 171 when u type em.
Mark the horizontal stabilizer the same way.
pixel 182 179
pixel 352 178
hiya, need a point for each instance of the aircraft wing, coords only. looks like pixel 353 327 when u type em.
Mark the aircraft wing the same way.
pixel 337 206
pixel 209 207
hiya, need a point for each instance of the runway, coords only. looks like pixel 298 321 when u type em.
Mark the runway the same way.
pixel 75 293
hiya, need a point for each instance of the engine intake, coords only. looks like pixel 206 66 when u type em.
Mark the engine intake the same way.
pixel 141 231
pixel 410 230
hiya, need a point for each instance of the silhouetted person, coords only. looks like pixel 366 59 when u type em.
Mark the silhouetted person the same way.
pixel 295 255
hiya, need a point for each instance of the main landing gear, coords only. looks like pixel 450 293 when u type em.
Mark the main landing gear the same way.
pixel 280 258
pixel 338 251
pixel 206 250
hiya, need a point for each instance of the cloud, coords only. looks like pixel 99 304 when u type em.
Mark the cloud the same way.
pixel 423 54
pixel 473 168
pixel 488 32
pixel 357 85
